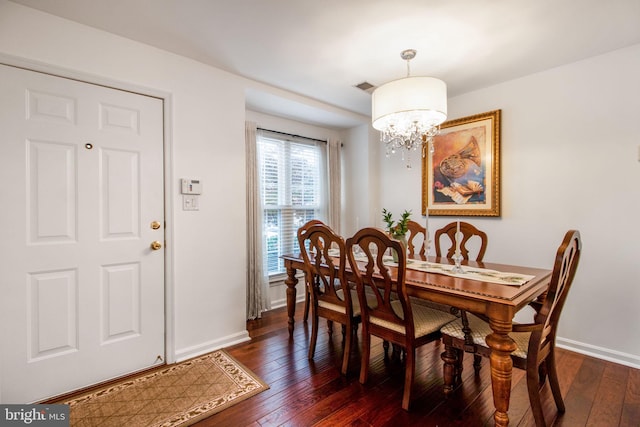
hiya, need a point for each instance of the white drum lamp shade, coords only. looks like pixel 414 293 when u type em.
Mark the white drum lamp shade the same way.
pixel 402 103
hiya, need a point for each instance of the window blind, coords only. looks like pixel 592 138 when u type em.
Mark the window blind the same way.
pixel 291 193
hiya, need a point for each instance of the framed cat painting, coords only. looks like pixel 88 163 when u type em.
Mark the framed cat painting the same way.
pixel 462 175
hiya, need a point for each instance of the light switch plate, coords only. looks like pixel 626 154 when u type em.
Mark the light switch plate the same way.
pixel 190 203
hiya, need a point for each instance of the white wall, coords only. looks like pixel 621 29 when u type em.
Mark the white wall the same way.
pixel 360 179
pixel 570 159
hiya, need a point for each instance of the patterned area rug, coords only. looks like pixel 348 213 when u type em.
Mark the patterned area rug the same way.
pixel 176 395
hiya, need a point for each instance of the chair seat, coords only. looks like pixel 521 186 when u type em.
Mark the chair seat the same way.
pixel 479 331
pixel 371 299
pixel 426 320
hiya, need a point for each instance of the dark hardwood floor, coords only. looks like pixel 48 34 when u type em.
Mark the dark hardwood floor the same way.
pixel 305 393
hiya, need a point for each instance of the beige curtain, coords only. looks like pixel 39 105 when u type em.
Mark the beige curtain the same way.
pixel 334 162
pixel 257 280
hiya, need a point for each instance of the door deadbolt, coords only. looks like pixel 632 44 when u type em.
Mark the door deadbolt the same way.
pixel 155 225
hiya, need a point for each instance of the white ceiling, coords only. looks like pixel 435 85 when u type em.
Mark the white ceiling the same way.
pixel 322 48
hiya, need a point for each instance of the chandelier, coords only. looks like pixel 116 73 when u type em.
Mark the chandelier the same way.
pixel 408 112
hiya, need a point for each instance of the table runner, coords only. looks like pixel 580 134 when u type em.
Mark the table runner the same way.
pixel 470 273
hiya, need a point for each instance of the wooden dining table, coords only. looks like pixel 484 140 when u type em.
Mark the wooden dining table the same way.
pixel 498 302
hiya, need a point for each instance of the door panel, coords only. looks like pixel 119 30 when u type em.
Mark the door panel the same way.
pixel 81 174
pixel 120 196
pixel 52 188
pixel 52 321
pixel 120 305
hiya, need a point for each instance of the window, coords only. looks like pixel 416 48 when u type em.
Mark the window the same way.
pixel 291 177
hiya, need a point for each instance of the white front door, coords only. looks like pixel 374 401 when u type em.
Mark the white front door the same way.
pixel 82 200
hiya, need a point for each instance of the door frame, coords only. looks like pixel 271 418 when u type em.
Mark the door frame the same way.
pixel 166 97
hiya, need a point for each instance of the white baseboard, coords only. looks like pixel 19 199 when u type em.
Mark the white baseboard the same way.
pixel 614 356
pixel 277 303
pixel 208 347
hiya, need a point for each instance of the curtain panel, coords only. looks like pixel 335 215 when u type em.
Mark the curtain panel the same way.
pixel 334 157
pixel 257 279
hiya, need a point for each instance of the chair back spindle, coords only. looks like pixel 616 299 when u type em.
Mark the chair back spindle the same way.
pixel 416 230
pixel 468 231
pixel 307 296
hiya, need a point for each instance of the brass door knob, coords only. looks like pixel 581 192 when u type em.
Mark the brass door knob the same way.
pixel 155 245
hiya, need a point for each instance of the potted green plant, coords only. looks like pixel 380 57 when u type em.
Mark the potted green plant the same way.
pixel 397 229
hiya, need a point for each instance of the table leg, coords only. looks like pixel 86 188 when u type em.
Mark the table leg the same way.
pixel 291 281
pixel 501 346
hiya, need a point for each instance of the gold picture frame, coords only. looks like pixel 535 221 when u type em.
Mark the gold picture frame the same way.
pixel 462 176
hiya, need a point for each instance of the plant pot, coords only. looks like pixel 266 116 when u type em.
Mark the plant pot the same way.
pixel 403 239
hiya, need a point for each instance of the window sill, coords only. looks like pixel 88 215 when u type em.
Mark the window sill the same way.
pixel 279 279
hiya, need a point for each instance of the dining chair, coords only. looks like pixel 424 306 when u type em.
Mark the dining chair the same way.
pixel 415 230
pixel 469 232
pixel 535 342
pixel 307 296
pixel 394 319
pixel 323 253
